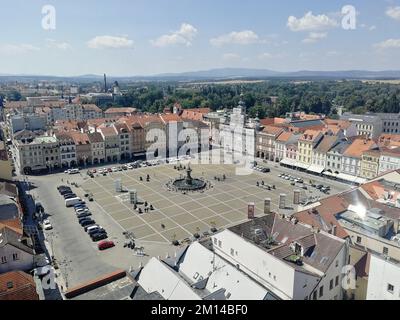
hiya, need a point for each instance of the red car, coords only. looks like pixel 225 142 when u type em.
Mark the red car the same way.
pixel 103 245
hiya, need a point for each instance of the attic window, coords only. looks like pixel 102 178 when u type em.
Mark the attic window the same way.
pixel 10 285
pixel 196 275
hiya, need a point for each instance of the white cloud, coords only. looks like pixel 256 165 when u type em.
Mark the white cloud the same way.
pixel 242 37
pixel 315 37
pixel 311 22
pixel 53 44
pixel 333 53
pixel 393 12
pixel 388 44
pixel 12 49
pixel 110 42
pixel 230 56
pixel 265 56
pixel 184 36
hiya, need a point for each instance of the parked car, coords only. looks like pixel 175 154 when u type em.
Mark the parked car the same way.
pixel 84 214
pixel 96 229
pixel 99 236
pixel 93 227
pixel 47 225
pixel 85 223
pixel 105 245
pixel 72 201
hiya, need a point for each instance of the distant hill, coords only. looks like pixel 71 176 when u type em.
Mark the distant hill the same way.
pixel 222 74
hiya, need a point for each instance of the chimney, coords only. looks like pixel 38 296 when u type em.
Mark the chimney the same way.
pixel 296 197
pixel 267 206
pixel 282 201
pixel 334 227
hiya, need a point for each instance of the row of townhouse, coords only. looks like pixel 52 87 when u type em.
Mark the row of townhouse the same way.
pixel 329 151
pixel 354 159
pixel 97 141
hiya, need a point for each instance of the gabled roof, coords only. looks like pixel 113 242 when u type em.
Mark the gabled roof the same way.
pixel 108 131
pixel 80 138
pixel 358 146
pixel 320 249
pixel 9 236
pixel 91 107
pixel 272 130
pixel 323 215
pixel 310 135
pixel 327 143
pixel 170 117
pixel 284 137
pixel 95 137
pixel 17 285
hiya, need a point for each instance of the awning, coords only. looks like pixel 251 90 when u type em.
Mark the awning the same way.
pixel 289 162
pixel 302 165
pixel 316 169
pixel 347 177
pixel 38 168
pixel 360 180
pixel 330 174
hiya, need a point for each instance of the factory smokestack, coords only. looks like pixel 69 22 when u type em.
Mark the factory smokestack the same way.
pixel 105 83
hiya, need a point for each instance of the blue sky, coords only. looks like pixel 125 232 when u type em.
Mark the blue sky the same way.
pixel 143 37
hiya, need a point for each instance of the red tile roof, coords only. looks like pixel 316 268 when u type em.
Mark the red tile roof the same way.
pixel 324 215
pixel 80 138
pixel 272 130
pixel 17 285
pixel 120 110
pixel 170 118
pixel 310 135
pixel 358 147
pixel 284 136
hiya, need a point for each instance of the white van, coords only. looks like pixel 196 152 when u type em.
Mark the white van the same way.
pixel 73 171
pixel 71 202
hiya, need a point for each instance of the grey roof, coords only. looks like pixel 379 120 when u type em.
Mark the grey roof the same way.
pixel 307 123
pixel 341 147
pixel 326 143
pixel 9 236
pixel 320 250
pixel 140 294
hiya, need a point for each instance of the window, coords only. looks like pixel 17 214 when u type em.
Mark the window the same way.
pixel 232 252
pixel 15 256
pixel 358 239
pixel 315 295
pixel 321 291
pixel 385 251
pixel 3 259
pixel 336 281
pixel 219 243
pixel 331 284
pixel 390 288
